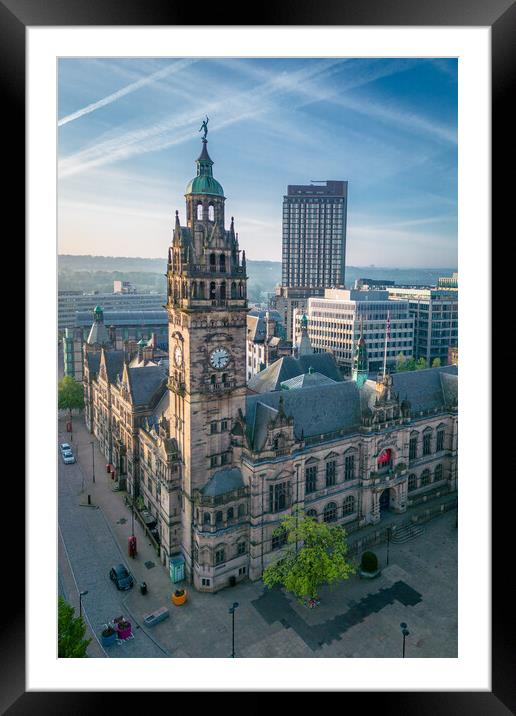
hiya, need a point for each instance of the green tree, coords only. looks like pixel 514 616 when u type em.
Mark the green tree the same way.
pixel 436 363
pixel 321 558
pixel 422 363
pixel 71 631
pixel 410 364
pixel 70 395
pixel 401 363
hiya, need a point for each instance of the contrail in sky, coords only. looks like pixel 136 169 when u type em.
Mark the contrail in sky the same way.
pixel 158 75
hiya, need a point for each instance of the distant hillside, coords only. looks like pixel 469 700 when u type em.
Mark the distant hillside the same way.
pixel 97 273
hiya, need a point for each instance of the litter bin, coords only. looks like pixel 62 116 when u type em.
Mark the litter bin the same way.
pixel 143 588
pixel 232 580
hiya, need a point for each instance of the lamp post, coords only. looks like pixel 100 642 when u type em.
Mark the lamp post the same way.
pixel 93 459
pixel 81 595
pixel 232 612
pixel 405 633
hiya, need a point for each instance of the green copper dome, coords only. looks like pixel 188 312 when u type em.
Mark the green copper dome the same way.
pixel 204 183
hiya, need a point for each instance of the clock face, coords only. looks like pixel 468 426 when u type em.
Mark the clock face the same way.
pixel 178 356
pixel 219 358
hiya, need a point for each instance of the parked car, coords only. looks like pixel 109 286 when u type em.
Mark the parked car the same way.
pixel 68 458
pixel 65 447
pixel 121 576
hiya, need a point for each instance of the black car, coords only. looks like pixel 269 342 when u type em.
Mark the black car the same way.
pixel 121 577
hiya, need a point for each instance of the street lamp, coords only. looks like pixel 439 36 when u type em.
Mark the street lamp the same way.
pixel 232 612
pixel 81 595
pixel 405 633
pixel 93 458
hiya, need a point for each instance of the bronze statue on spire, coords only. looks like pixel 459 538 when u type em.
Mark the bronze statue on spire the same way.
pixel 204 126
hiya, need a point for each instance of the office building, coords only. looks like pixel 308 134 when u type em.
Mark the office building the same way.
pixel 336 321
pixel 314 235
pixel 435 312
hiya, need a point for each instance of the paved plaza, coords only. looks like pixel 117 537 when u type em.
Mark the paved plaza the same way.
pixel 358 618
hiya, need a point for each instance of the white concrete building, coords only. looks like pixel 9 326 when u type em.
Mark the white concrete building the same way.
pixel 335 322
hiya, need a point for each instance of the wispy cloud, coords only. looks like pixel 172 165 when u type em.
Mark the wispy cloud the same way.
pixel 177 130
pixel 128 89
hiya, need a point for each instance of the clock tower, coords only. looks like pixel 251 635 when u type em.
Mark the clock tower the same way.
pixel 207 307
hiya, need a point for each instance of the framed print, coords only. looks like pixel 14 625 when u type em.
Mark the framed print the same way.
pixel 161 515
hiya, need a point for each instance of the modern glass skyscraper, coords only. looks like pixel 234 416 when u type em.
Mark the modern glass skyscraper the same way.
pixel 314 235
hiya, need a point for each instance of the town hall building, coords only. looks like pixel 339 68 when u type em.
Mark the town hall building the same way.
pixel 220 463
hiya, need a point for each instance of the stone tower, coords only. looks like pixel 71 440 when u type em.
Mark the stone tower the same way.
pixel 207 307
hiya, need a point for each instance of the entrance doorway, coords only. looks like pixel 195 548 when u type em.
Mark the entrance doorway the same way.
pixel 385 501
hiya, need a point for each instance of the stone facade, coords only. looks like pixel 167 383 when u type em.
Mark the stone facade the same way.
pixel 218 463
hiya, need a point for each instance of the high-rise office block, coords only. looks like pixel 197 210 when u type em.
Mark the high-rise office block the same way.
pixel 314 235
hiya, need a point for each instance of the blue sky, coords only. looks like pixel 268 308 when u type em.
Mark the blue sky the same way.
pixel 128 139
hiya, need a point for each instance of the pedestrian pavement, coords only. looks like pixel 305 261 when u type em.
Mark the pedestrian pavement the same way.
pixel 357 618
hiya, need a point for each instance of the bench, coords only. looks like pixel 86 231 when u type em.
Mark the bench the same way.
pixel 155 617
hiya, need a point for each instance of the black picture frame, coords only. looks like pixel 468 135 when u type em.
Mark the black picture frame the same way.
pixel 500 16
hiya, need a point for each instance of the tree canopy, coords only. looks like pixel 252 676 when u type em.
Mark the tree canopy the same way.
pixel 70 394
pixel 321 558
pixel 403 364
pixel 71 631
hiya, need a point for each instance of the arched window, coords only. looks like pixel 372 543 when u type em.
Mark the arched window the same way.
pixel 348 506
pixel 206 518
pixel 427 441
pixel 233 290
pixel 438 474
pixel 199 212
pixel 201 290
pixel 330 512
pixel 224 378
pixel 218 517
pixel 213 378
pixel 412 482
pixel 440 439
pixel 223 291
pixel 240 290
pixel 194 289
pixel 211 213
pixel 331 468
pixel 213 290
pixel 231 514
pixel 413 445
pixel 425 478
pixel 312 513
pixel 222 263
pixel 349 466
pixel 213 262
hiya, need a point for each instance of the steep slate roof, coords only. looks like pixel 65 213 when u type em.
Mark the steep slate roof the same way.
pixel 306 380
pixel 288 367
pixel 145 382
pixel 256 328
pixel 93 361
pixel 317 409
pixel 114 364
pixel 426 389
pixel 326 408
pixel 98 334
pixel 223 481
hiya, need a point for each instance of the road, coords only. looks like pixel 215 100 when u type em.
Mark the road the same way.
pixel 87 551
